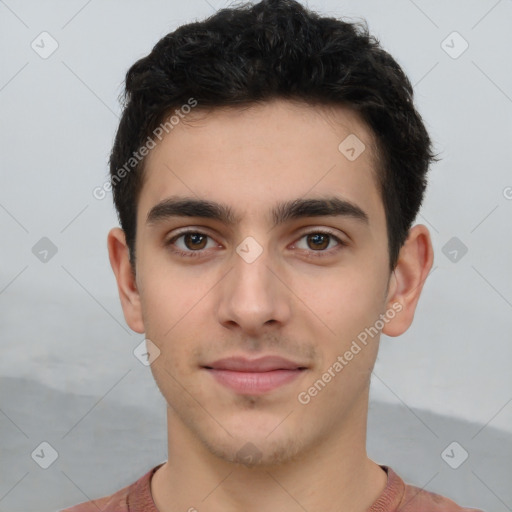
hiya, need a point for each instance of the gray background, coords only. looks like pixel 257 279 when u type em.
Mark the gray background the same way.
pixel 68 375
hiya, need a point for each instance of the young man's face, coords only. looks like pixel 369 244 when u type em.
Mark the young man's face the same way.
pixel 303 298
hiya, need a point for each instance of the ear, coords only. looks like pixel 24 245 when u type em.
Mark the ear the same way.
pixel 119 260
pixel 406 282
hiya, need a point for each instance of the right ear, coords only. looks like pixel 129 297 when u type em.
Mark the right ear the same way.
pixel 120 261
pixel 407 280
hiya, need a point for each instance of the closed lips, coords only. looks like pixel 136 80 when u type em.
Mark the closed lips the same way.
pixel 263 364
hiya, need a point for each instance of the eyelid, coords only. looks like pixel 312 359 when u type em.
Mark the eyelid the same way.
pixel 185 231
pixel 309 231
pixel 323 253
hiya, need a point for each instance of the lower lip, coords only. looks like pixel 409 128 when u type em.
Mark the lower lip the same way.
pixel 254 383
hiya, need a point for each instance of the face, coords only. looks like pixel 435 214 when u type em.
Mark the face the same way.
pixel 300 284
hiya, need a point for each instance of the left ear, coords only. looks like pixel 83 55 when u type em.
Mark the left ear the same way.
pixel 126 283
pixel 406 282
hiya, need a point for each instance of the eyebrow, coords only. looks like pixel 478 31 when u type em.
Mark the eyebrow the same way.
pixel 177 206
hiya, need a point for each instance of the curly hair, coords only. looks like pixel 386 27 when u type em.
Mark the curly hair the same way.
pixel 276 49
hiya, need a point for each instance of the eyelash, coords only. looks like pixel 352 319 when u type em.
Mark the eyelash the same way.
pixel 200 253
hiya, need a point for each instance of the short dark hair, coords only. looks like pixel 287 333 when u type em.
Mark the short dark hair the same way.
pixel 270 50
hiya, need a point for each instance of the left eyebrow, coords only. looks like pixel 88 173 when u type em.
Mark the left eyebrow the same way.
pixel 177 206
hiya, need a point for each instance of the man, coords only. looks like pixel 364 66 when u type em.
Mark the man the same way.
pixel 267 170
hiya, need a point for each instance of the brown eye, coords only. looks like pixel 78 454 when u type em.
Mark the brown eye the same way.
pixel 194 240
pixel 319 244
pixel 190 243
pixel 318 241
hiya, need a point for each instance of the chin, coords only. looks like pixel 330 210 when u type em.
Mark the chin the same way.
pixel 256 449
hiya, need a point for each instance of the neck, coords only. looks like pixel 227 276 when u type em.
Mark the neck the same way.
pixel 334 471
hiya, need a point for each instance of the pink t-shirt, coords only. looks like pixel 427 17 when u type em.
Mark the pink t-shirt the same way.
pixel 396 497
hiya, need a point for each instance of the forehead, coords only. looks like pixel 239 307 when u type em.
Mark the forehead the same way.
pixel 264 154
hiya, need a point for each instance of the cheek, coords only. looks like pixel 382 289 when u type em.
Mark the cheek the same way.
pixel 173 310
pixel 162 309
pixel 167 295
pixel 346 301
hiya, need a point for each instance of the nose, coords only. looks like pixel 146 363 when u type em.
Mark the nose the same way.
pixel 253 296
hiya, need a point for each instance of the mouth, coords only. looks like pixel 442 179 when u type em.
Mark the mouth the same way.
pixel 254 377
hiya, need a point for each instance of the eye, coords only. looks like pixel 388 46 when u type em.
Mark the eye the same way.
pixel 319 242
pixel 192 244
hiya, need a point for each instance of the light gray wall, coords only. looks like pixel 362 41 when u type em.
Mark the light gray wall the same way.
pixel 66 365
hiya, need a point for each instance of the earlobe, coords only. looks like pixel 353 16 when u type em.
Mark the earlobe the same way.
pixel 406 283
pixel 126 285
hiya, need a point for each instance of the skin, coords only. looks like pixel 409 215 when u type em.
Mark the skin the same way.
pixel 197 310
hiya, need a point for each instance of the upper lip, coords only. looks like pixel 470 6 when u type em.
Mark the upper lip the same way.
pixel 262 364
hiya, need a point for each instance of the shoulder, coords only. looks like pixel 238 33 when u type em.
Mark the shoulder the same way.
pixel 117 502
pixel 120 500
pixel 418 500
